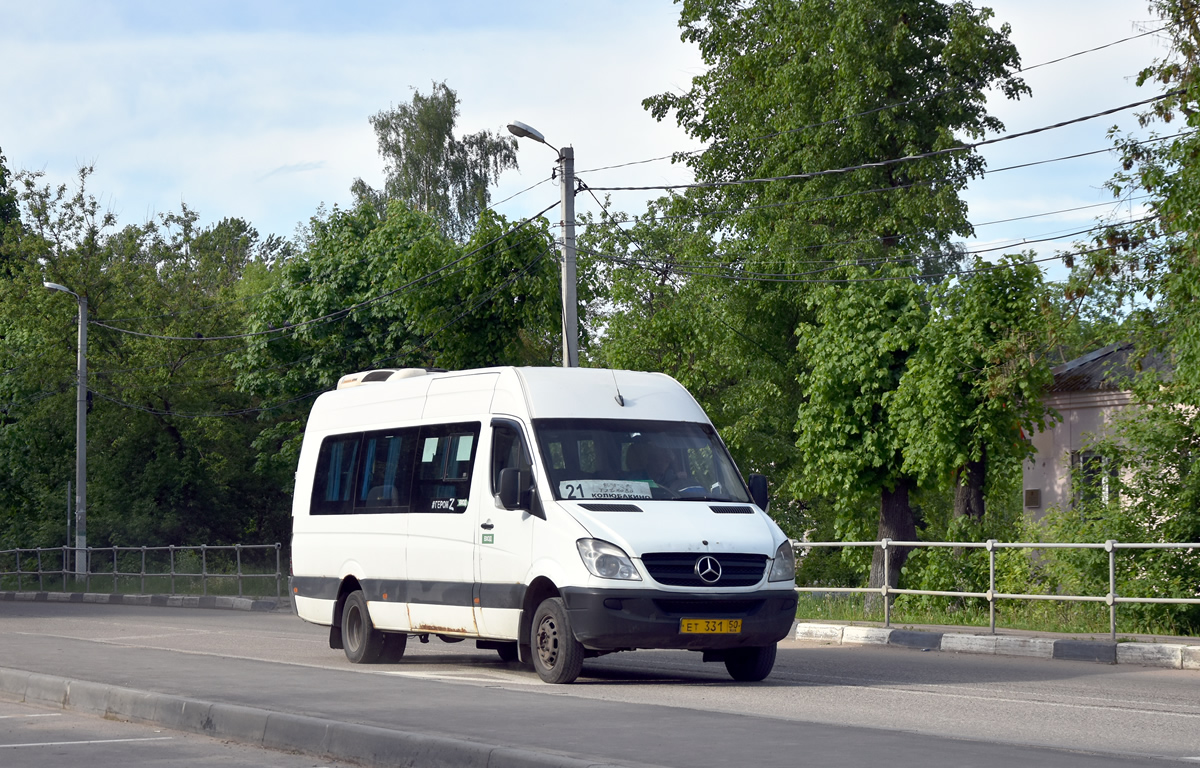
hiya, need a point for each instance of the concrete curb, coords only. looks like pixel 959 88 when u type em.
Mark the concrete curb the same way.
pixel 169 601
pixel 1167 655
pixel 368 745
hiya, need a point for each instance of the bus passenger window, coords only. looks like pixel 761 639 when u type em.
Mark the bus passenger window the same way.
pixel 333 488
pixel 386 471
pixel 444 472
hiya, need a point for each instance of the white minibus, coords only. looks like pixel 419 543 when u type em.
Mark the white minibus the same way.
pixel 549 514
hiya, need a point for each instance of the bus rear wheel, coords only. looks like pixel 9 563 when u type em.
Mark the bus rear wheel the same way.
pixel 361 641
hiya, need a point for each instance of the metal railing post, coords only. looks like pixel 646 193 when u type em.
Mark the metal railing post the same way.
pixel 64 568
pixel 18 550
pixel 116 572
pixel 237 551
pixel 143 569
pixel 991 548
pixel 171 552
pixel 41 587
pixel 87 568
pixel 204 570
pixel 1110 547
pixel 277 574
pixel 887 582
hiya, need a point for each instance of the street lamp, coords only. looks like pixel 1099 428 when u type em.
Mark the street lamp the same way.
pixel 566 170
pixel 81 564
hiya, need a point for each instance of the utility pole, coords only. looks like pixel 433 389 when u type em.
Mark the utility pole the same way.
pixel 81 553
pixel 570 297
pixel 81 557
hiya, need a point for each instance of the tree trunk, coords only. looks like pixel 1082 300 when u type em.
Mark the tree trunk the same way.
pixel 895 523
pixel 968 488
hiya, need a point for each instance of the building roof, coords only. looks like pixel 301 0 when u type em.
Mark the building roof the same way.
pixel 1106 369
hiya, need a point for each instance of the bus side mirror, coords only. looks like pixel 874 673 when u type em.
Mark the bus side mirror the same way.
pixel 759 492
pixel 511 485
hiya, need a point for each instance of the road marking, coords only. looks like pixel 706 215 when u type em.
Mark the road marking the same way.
pixel 886 685
pixel 80 743
pixel 14 717
pixel 1006 700
pixel 455 678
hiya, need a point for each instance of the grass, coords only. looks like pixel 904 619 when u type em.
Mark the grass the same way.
pixel 253 585
pixel 1039 615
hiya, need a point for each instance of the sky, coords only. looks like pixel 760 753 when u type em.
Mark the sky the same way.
pixel 261 110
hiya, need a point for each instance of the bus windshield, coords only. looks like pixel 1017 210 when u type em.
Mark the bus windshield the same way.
pixel 634 460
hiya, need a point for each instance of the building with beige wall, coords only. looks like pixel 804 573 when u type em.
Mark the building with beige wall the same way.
pixel 1088 392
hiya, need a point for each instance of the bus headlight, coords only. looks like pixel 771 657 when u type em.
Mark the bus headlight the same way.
pixel 608 561
pixel 784 567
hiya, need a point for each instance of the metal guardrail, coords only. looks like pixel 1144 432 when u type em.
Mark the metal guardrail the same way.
pixel 28 564
pixel 1112 599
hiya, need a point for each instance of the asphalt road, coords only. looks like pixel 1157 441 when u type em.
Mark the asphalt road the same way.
pixel 37 737
pixel 823 705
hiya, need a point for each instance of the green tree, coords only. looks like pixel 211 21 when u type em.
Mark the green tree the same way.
pixel 160 472
pixel 858 348
pixel 370 292
pixel 431 169
pixel 972 393
pixel 1147 275
pixel 796 88
pixel 9 210
pixel 659 309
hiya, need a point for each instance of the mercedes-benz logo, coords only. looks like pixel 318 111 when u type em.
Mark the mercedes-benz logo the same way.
pixel 708 568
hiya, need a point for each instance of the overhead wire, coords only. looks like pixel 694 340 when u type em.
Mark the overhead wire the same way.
pixel 873 110
pixel 719 271
pixel 376 363
pixel 616 222
pixel 873 279
pixel 428 340
pixel 330 318
pixel 893 161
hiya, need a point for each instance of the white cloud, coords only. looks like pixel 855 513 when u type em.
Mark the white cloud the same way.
pixel 262 112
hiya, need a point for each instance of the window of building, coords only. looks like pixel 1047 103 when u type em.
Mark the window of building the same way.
pixel 1094 477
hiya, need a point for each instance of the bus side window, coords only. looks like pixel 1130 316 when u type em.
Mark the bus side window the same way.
pixel 446 457
pixel 508 452
pixel 386 474
pixel 333 486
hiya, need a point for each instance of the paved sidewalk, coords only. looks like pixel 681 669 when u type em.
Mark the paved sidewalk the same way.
pixel 1145 650
pixel 322 737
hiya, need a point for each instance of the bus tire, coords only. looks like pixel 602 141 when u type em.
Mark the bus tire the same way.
pixel 750 665
pixel 557 655
pixel 361 641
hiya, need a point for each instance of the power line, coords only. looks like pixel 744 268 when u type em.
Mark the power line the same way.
pixel 865 113
pixel 517 194
pixel 617 221
pixel 725 273
pixel 893 161
pixel 1063 210
pixel 246 411
pixel 1097 48
pixel 208 414
pixel 1086 154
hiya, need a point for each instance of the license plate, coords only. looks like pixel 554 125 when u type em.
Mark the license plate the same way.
pixel 710 626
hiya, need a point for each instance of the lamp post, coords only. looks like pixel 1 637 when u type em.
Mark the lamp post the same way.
pixel 570 301
pixel 81 559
